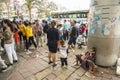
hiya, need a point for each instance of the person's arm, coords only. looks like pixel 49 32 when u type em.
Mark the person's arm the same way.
pixel 57 35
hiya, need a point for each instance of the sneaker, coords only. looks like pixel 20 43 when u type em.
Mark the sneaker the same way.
pixel 54 65
pixel 15 61
pixel 28 52
pixel 1 49
pixel 65 67
pixel 6 69
pixel 50 62
pixel 9 64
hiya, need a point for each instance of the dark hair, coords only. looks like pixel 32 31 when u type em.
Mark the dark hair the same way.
pixel 74 21
pixel 62 42
pixel 65 20
pixel 9 23
pixel 59 25
pixel 43 21
pixel 26 23
pixel 94 49
pixel 46 22
pixel 53 23
pixel 36 20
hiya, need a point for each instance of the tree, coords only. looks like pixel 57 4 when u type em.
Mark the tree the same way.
pixel 30 4
pixel 51 7
pixel 46 8
pixel 1 7
pixel 43 7
pixel 7 3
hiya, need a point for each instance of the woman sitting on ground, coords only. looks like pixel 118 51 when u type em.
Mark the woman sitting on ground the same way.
pixel 87 60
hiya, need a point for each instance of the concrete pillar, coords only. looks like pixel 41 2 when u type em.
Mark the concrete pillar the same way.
pixel 104 30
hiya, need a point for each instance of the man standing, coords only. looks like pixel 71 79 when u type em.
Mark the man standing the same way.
pixel 73 35
pixel 65 30
pixel 38 30
pixel 53 38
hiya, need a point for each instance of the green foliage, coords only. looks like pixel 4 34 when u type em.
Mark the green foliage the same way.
pixel 46 7
pixel 43 6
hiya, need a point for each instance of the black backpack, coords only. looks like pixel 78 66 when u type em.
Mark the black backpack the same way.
pixel 46 27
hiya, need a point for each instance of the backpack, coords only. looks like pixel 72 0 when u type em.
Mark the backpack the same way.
pixel 46 27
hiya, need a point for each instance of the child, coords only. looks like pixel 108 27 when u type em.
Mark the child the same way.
pixel 63 54
pixel 80 41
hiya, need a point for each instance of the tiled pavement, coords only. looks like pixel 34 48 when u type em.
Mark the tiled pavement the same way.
pixel 35 67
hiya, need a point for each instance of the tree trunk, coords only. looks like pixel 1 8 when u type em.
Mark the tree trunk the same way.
pixel 30 15
pixel 8 11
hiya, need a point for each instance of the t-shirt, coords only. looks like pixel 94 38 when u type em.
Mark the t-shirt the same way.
pixel 63 51
pixel 53 35
pixel 74 32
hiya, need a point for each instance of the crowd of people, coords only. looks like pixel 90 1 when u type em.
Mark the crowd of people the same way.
pixel 15 33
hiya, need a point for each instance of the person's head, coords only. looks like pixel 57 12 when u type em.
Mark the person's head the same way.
pixel 36 22
pixel 46 22
pixel 43 21
pixel 93 49
pixel 82 25
pixel 20 22
pixel 59 25
pixel 62 42
pixel 14 24
pixel 73 23
pixel 26 23
pixel 53 23
pixel 64 21
pixel 7 23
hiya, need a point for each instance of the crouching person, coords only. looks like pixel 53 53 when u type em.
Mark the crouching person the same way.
pixel 87 60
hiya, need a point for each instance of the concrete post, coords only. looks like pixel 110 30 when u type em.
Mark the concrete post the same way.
pixel 104 30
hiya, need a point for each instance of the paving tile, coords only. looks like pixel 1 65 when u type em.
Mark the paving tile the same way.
pixel 71 68
pixel 43 74
pixel 108 76
pixel 31 78
pixel 58 71
pixel 74 76
pixel 96 78
pixel 45 59
pixel 51 77
pixel 16 76
pixel 80 71
pixel 85 78
pixel 64 75
pixel 32 67
pixel 115 78
pixel 26 74
pixel 105 79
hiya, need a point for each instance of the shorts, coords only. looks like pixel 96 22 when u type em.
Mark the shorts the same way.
pixel 52 46
pixel 72 40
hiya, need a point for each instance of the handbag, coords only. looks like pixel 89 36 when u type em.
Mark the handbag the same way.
pixel 39 33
